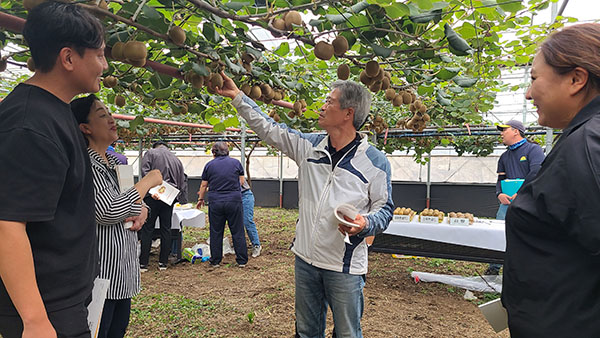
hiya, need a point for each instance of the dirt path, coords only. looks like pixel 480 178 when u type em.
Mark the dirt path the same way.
pixel 258 301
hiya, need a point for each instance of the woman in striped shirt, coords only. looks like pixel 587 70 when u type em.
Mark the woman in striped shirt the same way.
pixel 113 208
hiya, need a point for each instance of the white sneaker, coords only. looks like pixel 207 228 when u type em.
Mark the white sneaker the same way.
pixel 143 268
pixel 256 250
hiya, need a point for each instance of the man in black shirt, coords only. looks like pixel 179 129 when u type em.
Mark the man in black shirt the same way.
pixel 48 250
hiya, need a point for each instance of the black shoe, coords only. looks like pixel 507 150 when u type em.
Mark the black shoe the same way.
pixel 491 272
pixel 162 266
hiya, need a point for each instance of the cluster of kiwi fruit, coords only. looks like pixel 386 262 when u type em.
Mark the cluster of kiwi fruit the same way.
pixel 274 115
pixel 462 215
pixel 287 22
pixel 262 92
pixel 405 211
pixel 418 121
pixel 299 106
pixel 376 124
pixel 325 51
pixel 247 60
pixel 374 77
pixel 132 52
pixel 433 213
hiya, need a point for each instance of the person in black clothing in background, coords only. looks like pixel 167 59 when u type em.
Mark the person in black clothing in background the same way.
pixel 48 248
pixel 522 158
pixel 222 176
pixel 171 168
pixel 551 281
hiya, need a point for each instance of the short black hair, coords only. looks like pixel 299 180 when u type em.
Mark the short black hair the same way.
pixel 220 149
pixel 160 143
pixel 52 26
pixel 82 107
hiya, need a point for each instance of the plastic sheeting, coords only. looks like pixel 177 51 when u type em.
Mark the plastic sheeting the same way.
pixel 476 283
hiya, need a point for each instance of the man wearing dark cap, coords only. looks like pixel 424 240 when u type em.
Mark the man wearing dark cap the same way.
pixel 171 168
pixel 520 160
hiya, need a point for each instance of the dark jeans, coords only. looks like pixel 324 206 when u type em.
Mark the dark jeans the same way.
pixel 68 323
pixel 218 213
pixel 115 318
pixel 164 213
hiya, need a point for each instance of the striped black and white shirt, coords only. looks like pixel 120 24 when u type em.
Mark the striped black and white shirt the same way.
pixel 118 246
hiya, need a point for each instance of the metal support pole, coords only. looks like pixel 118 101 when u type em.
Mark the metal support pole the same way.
pixel 141 150
pixel 428 200
pixel 280 179
pixel 243 146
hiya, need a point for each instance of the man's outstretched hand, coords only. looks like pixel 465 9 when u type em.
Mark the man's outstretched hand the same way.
pixel 229 88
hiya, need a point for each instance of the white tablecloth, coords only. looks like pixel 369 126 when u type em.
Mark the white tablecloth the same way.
pixel 485 234
pixel 186 217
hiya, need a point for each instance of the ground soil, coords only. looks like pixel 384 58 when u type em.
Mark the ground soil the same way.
pixel 258 300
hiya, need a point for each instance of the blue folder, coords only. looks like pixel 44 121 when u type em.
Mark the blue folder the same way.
pixel 511 186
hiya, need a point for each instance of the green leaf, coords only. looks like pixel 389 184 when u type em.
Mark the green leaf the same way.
pixel 138 121
pixel 510 5
pixel 434 15
pixel 314 22
pixel 397 10
pixel 381 51
pixel 338 18
pixel 283 50
pixel 457 44
pixel 214 120
pixel 423 4
pixel 465 82
pixel 467 30
pixel 200 69
pixel 522 59
pixel 445 141
pixel 219 127
pixel 447 73
pixel 235 68
pixel 359 6
pixel 231 122
pixel 358 21
pixel 209 32
pixel 236 6
pixel 163 93
pixel 425 90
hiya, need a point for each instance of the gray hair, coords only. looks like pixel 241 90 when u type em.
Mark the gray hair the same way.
pixel 220 148
pixel 353 95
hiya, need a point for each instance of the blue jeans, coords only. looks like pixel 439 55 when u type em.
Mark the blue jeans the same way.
pixel 248 203
pixel 318 288
pixel 501 214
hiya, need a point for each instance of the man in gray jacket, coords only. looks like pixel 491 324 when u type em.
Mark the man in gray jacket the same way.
pixel 171 168
pixel 339 167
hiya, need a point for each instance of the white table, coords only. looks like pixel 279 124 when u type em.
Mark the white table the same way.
pixel 189 217
pixel 485 234
pixel 483 241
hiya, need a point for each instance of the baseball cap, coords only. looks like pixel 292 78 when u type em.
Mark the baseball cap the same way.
pixel 160 142
pixel 512 123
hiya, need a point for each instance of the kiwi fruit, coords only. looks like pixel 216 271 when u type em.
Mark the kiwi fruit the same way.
pixel 117 51
pixel 277 95
pixel 255 92
pixel 30 4
pixel 247 58
pixel 412 108
pixel 397 102
pixel 110 81
pixel 385 83
pixel 298 107
pixel 276 117
pixel 266 90
pixel 379 76
pixel 215 81
pixel 323 50
pixel 135 51
pixel 418 104
pixel 177 35
pixel 278 24
pixel 196 80
pixel 426 117
pixel 390 94
pixel 138 63
pixel 375 86
pixel 372 68
pixel 413 96
pixel 31 64
pixel 119 100
pixel 246 89
pixel 340 45
pixel 343 71
pixel 364 78
pixel 292 18
pixel 406 98
pixel 303 103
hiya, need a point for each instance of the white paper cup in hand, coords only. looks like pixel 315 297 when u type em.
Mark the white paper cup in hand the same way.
pixel 128 224
pixel 348 211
